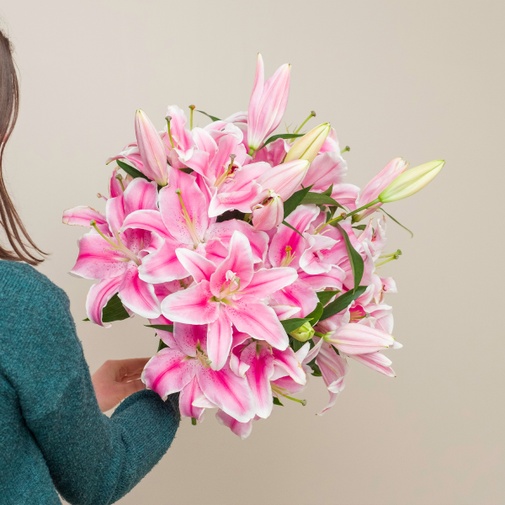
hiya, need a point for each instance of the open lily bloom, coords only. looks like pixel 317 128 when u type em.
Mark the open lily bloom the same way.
pixel 249 252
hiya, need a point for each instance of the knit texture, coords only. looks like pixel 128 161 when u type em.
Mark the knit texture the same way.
pixel 53 436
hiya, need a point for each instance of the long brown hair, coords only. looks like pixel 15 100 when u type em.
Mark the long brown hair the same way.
pixel 22 246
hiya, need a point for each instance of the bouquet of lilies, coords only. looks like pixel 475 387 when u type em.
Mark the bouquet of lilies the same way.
pixel 256 264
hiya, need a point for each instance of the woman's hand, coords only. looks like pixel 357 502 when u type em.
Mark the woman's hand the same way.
pixel 117 379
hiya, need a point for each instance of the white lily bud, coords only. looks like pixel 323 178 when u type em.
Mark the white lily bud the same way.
pixel 307 147
pixel 411 181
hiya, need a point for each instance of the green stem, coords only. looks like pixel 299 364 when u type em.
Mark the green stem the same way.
pixel 345 215
pixel 310 116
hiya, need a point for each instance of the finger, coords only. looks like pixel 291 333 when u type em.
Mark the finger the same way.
pixel 131 387
pixel 133 366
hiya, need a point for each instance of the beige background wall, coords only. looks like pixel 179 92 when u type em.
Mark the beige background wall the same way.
pixel 423 80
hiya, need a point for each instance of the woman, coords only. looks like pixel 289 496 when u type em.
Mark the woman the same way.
pixel 53 436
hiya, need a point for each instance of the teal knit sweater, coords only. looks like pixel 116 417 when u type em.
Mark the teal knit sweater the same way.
pixel 52 433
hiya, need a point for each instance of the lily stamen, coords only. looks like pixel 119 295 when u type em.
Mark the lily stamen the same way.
pixel 278 391
pixel 230 170
pixel 169 119
pixel 187 218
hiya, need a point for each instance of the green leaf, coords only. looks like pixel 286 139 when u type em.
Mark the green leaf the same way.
pixel 296 345
pixel 319 199
pixel 285 223
pixel 357 263
pixel 342 302
pixel 316 371
pixel 277 401
pixel 315 315
pixel 282 136
pixel 161 345
pixel 360 227
pixel 162 327
pixel 214 118
pixel 293 324
pixel 114 310
pixel 398 223
pixel 294 200
pixel 131 171
pixel 326 296
pixel 329 191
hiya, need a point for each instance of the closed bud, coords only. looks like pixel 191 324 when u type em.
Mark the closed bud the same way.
pixel 304 333
pixel 411 181
pixel 308 146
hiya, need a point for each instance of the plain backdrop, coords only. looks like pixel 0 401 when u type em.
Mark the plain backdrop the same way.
pixel 422 80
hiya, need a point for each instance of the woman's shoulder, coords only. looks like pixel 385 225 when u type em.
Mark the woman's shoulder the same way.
pixel 18 278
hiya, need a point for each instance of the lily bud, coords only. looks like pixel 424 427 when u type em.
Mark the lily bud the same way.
pixel 304 333
pixel 307 147
pixel 151 148
pixel 411 181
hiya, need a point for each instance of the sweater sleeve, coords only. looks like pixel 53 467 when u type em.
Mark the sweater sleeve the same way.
pixel 93 459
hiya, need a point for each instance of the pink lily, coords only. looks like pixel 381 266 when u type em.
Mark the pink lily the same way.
pixel 267 104
pixel 186 368
pixel 182 222
pixel 113 256
pixel 261 364
pixel 229 294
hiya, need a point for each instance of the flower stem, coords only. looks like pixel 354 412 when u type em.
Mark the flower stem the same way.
pixel 310 116
pixel 345 215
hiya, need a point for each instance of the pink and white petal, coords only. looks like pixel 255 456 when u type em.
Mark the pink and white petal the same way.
pixel 332 279
pixel 190 336
pixel 376 361
pixel 243 430
pixel 371 191
pixel 219 341
pixel 355 338
pixel 288 361
pixel 284 312
pixel 149 220
pixel 139 296
pixel 268 215
pixel 114 212
pixel 162 265
pixel 189 393
pixel 242 200
pixel 140 194
pixel 196 265
pixel 224 230
pixel 183 207
pixel 228 391
pixel 345 194
pixel 333 370
pixel 259 321
pixel 169 371
pixel 83 216
pixel 285 178
pixel 98 297
pixel 258 376
pixel 98 259
pixel 192 305
pixel 327 169
pixel 267 281
pixel 298 295
pixel 239 262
